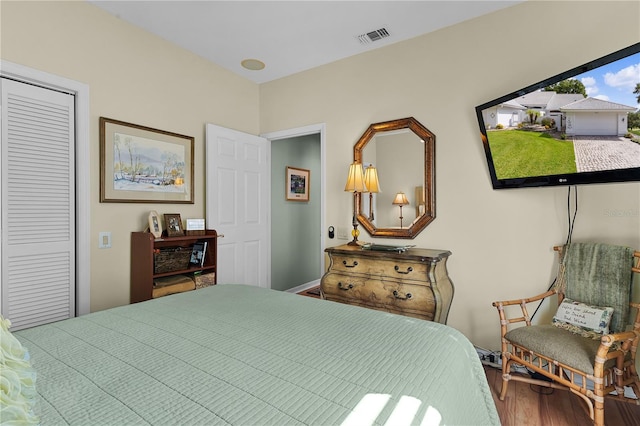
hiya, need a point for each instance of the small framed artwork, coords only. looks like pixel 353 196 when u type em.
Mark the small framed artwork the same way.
pixel 173 223
pixel 139 164
pixel 155 227
pixel 297 184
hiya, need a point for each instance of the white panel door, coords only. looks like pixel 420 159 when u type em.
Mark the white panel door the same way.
pixel 38 203
pixel 237 204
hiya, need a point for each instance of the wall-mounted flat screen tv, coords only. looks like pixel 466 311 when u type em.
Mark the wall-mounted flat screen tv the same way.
pixel 572 128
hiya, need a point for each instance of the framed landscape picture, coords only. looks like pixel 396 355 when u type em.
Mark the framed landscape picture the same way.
pixel 143 165
pixel 297 184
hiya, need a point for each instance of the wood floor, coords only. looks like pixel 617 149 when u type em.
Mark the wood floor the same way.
pixel 527 405
pixel 312 292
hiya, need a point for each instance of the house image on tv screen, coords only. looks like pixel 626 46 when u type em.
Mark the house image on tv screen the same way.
pixel 572 114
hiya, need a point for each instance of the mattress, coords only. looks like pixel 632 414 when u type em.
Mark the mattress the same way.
pixel 241 355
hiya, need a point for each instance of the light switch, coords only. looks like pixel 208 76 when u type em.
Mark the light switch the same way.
pixel 343 233
pixel 104 240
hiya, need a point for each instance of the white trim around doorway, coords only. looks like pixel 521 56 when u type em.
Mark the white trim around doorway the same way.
pixel 303 131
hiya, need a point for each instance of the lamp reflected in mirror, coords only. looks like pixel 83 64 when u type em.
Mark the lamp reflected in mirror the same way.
pixel 373 186
pixel 400 200
pixel 420 204
pixel 355 184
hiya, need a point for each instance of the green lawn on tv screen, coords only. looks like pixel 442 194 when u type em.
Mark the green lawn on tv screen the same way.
pixel 519 153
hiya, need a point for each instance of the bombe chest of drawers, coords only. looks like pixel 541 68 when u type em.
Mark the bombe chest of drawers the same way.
pixel 414 282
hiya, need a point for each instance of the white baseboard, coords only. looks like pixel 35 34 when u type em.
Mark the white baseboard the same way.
pixel 304 287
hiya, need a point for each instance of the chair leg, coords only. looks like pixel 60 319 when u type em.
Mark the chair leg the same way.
pixel 598 400
pixel 598 411
pixel 506 367
pixel 635 385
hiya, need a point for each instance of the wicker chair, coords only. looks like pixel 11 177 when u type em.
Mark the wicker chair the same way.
pixel 571 359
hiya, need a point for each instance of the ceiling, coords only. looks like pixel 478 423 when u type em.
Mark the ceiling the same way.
pixel 291 36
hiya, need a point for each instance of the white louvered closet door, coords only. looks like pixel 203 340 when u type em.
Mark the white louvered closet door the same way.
pixel 38 205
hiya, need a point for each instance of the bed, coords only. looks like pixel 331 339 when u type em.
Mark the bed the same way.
pixel 241 355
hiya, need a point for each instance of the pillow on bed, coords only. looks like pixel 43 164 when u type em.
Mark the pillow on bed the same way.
pixel 585 320
pixel 17 380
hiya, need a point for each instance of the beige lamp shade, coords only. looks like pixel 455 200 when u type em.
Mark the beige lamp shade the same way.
pixel 355 184
pixel 371 179
pixel 355 180
pixel 400 200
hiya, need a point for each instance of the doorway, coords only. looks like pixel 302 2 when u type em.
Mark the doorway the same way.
pixel 297 243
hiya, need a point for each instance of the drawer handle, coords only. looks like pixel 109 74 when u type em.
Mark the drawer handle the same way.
pixel 345 287
pixel 355 263
pixel 397 295
pixel 409 269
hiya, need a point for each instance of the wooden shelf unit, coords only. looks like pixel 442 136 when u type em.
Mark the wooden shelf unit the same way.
pixel 143 245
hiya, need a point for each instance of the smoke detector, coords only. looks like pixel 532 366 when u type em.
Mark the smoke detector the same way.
pixel 372 36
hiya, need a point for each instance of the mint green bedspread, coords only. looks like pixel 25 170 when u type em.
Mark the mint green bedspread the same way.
pixel 241 355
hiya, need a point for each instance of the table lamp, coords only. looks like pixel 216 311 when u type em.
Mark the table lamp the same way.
pixel 355 184
pixel 371 182
pixel 400 200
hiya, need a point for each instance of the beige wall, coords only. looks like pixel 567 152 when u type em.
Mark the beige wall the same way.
pixel 132 76
pixel 501 240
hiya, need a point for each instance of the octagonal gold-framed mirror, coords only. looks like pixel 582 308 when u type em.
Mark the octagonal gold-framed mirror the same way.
pixel 402 155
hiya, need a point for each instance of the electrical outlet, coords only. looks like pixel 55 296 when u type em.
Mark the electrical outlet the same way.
pixel 104 240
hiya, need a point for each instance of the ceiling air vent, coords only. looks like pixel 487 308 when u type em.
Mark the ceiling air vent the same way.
pixel 373 36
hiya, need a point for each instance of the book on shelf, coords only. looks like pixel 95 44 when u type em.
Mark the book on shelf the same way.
pixel 198 253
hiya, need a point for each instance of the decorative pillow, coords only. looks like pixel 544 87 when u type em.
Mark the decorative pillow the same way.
pixel 585 320
pixel 18 395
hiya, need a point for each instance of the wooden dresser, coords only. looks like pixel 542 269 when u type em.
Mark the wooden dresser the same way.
pixel 414 283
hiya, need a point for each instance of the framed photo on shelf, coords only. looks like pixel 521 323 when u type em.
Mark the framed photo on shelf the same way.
pixel 155 227
pixel 173 224
pixel 143 165
pixel 298 182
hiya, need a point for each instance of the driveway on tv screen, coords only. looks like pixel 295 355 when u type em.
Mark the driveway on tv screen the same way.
pixel 595 153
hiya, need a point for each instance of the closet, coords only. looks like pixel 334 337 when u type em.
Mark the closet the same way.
pixel 38 204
